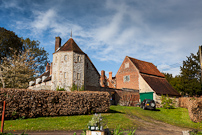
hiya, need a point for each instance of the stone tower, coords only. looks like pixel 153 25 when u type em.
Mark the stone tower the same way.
pixel 72 66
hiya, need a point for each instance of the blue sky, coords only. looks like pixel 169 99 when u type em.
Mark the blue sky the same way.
pixel 161 32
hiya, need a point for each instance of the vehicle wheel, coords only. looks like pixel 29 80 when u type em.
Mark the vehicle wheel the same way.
pixel 143 107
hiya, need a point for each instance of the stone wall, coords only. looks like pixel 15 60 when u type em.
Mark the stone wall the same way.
pixel 92 77
pixel 30 103
pixel 194 106
pixel 78 69
pixel 62 70
pixel 158 101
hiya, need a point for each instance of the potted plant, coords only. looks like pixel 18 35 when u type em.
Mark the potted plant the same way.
pixel 96 123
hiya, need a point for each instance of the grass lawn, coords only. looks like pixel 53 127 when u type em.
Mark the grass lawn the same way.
pixel 117 115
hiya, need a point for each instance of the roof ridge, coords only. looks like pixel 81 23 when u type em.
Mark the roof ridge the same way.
pixel 139 60
pixel 146 67
pixel 71 45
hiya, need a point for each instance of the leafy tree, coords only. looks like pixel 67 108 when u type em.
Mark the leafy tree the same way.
pixel 39 54
pixel 8 39
pixel 174 81
pixel 190 76
pixel 168 77
pixel 17 70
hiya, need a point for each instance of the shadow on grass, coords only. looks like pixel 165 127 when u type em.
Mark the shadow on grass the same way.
pixel 153 110
pixel 114 111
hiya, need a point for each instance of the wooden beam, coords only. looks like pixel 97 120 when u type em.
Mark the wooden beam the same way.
pixel 2 119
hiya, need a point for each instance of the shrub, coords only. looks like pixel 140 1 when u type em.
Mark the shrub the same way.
pixel 82 88
pixel 60 89
pixel 74 87
pixel 167 102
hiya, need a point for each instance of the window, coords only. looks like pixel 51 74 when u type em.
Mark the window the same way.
pixel 79 59
pixel 65 75
pixel 65 58
pixel 126 65
pixel 78 76
pixel 126 78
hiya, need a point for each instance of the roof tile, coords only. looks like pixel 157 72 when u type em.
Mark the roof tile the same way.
pixel 146 67
pixel 70 45
pixel 160 85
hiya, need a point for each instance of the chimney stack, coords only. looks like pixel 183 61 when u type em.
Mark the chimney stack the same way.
pixel 110 76
pixel 47 67
pixel 57 43
pixel 102 81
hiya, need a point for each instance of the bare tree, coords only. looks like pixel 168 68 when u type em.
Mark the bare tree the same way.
pixel 17 70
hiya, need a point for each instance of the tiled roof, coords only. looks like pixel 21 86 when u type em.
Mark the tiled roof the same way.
pixel 70 45
pixel 46 73
pixel 160 85
pixel 146 67
pixel 47 79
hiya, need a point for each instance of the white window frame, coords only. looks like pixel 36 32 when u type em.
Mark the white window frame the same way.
pixel 126 78
pixel 127 65
pixel 65 57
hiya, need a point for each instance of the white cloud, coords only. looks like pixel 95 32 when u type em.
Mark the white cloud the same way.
pixel 11 4
pixel 161 33
pixel 44 19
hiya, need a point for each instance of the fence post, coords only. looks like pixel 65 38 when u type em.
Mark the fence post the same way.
pixel 2 119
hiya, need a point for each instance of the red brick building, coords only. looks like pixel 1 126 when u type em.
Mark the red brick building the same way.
pixel 144 76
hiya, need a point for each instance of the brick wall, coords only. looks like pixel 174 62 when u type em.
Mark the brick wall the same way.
pixel 30 103
pixel 127 98
pixel 122 97
pixel 127 68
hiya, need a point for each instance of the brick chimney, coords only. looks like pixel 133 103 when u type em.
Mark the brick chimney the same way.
pixel 47 67
pixel 110 76
pixel 57 43
pixel 51 68
pixel 102 80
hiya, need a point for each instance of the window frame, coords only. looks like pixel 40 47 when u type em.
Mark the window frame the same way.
pixel 78 76
pixel 126 78
pixel 65 57
pixel 78 58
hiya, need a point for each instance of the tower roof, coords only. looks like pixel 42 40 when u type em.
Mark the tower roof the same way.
pixel 70 45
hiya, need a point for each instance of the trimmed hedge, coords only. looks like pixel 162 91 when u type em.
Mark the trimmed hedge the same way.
pixel 29 103
pixel 194 106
